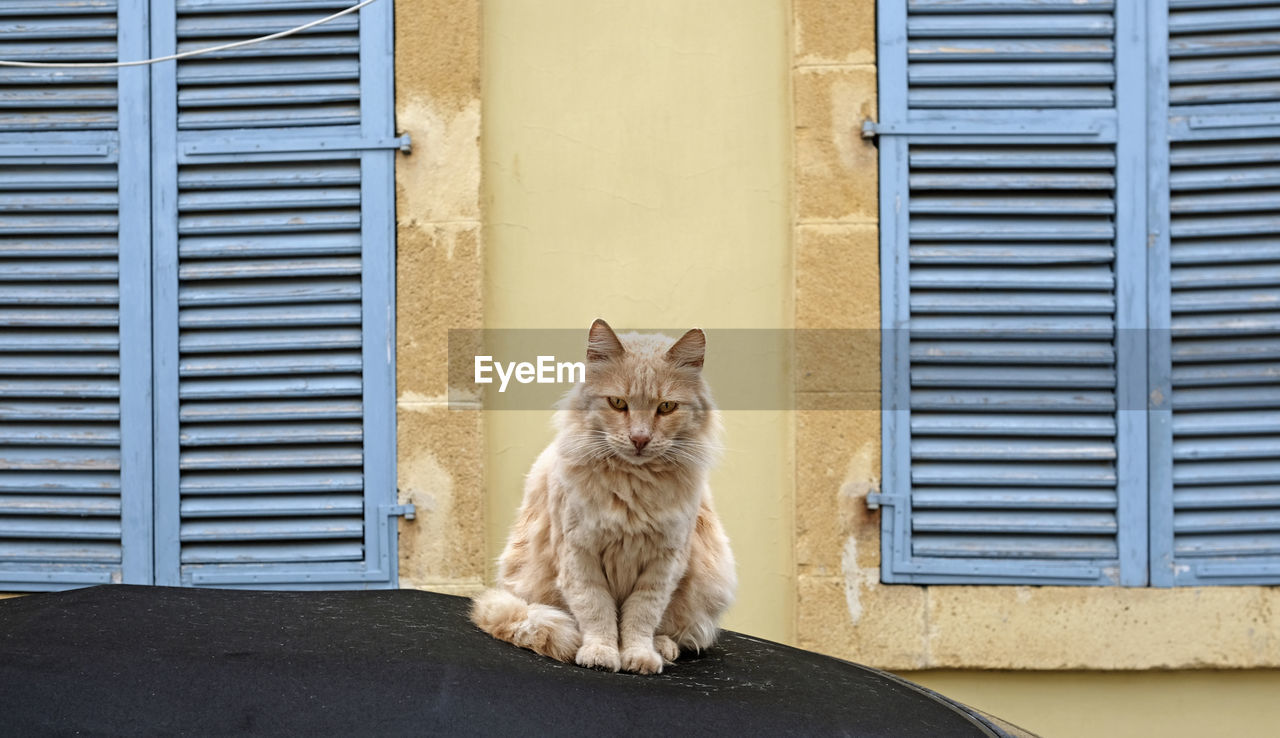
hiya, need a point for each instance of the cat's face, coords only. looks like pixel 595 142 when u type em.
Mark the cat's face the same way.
pixel 644 399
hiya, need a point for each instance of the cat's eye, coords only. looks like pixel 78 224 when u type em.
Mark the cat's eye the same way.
pixel 666 406
pixel 618 403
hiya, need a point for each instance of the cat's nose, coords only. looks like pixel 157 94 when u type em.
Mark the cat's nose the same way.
pixel 639 440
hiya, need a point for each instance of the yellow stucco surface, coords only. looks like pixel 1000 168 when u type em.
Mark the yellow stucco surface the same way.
pixel 635 169
pixel 1127 704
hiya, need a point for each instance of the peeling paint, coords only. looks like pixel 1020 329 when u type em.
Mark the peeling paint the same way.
pixel 420 401
pixel 457 399
pixel 861 470
pixel 440 181
pixel 857 579
pixel 860 477
pixel 848 102
pixel 429 487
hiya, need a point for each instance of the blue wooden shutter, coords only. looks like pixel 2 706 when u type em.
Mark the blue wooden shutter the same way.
pixel 1216 435
pixel 74 318
pixel 274 300
pixel 1011 145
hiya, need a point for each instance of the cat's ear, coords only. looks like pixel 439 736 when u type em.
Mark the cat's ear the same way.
pixel 689 350
pixel 602 342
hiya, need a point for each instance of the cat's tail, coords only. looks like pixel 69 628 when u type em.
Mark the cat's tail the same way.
pixel 543 629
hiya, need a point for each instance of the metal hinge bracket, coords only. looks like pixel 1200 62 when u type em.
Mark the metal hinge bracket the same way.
pixel 876 500
pixel 406 511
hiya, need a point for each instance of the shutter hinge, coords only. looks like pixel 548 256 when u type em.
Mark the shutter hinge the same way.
pixel 870 129
pixel 406 511
pixel 876 500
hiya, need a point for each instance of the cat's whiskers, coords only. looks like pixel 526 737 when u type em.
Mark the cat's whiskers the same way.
pixel 591 445
pixel 688 450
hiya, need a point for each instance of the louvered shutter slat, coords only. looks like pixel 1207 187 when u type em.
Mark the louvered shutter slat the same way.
pixel 1029 522
pixel 1223 423
pixel 231 72
pixel 291 364
pixel 995 423
pixel 1248 41
pixel 1192 301
pixel 1079 279
pixel 271 482
pixel 1242 496
pixel 998 6
pixel 258 268
pixel 1030 498
pixel 1238 395
pixel 1006 50
pixel 1015 548
pixel 265 315
pixel 1211 473
pixel 988 399
pixel 987 353
pixel 298 290
pixel 89 80
pixel 48 433
pixel 271 506
pixel 268 433
pixel 315 552
pixel 63 505
pixel 930 376
pixel 60 482
pixel 78 388
pixel 259 530
pixel 210 411
pixel 271 244
pixel 1037 473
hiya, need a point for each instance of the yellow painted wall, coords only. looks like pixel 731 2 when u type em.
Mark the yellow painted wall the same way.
pixel 636 160
pixel 1120 704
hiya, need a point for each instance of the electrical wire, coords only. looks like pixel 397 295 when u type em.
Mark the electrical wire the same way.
pixel 193 52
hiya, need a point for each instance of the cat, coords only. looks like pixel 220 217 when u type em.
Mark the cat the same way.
pixel 617 559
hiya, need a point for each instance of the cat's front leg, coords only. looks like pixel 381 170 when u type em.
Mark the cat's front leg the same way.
pixel 642 611
pixel 582 583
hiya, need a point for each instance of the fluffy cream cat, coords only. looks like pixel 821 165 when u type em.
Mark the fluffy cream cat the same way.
pixel 617 559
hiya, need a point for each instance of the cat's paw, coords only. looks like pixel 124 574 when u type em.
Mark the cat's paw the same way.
pixel 666 648
pixel 598 656
pixel 641 660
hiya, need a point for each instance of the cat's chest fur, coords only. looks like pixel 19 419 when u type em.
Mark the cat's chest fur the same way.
pixel 628 520
pixel 614 504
